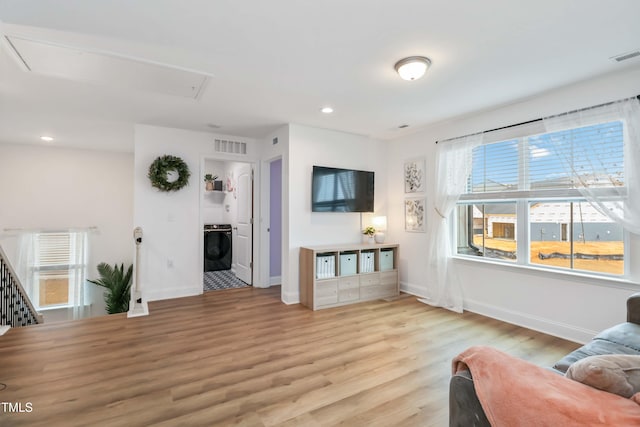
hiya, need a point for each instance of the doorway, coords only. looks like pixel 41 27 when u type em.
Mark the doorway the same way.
pixel 227 213
pixel 244 223
pixel 275 222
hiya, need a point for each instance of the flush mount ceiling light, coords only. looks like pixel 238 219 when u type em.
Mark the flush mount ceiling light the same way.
pixel 413 67
pixel 327 110
pixel 46 138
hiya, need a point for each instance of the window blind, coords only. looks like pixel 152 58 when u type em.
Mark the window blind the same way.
pixel 590 156
pixel 58 250
pixel 495 167
pixel 593 155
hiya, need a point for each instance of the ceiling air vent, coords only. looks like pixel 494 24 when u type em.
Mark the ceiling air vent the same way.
pixel 625 56
pixel 230 147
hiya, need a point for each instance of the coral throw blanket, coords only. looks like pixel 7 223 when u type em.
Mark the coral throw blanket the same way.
pixel 516 393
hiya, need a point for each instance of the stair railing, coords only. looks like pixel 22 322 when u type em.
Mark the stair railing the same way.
pixel 16 308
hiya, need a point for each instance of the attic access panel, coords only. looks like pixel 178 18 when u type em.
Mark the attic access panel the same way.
pixel 105 68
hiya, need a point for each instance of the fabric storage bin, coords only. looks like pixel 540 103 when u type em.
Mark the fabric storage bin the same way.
pixel 367 261
pixel 348 263
pixel 325 266
pixel 386 259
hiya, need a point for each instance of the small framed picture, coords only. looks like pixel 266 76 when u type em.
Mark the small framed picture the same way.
pixel 414 176
pixel 414 214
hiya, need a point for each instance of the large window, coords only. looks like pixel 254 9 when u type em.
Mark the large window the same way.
pixel 488 229
pixel 522 203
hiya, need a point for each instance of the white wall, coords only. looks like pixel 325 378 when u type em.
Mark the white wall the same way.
pixel 312 146
pixel 571 307
pixel 213 203
pixel 53 188
pixel 171 252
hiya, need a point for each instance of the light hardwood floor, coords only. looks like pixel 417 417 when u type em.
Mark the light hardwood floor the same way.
pixel 241 357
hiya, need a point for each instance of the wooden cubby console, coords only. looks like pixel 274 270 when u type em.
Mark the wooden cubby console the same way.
pixel 331 276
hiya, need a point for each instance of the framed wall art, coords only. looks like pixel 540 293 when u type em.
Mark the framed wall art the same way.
pixel 414 176
pixel 414 214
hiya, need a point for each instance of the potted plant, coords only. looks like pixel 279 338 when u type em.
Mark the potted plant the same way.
pixel 369 231
pixel 209 179
pixel 117 284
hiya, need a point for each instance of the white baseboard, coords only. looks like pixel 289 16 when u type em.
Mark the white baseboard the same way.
pixel 290 298
pixel 557 329
pixel 412 290
pixel 162 294
pixel 275 280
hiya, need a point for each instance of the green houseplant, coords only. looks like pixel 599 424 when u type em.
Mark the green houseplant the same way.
pixel 117 284
pixel 369 231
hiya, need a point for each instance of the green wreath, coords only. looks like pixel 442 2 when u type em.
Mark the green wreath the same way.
pixel 160 169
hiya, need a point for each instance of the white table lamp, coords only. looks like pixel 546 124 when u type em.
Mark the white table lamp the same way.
pixel 380 224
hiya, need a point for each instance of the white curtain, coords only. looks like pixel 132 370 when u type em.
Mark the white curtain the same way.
pixel 78 274
pixel 26 260
pixel 620 203
pixel 453 168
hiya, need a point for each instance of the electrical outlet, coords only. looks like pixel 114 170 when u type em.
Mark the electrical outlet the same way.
pixel 169 263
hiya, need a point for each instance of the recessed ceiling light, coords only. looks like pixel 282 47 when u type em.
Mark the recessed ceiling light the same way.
pixel 46 138
pixel 413 67
pixel 327 110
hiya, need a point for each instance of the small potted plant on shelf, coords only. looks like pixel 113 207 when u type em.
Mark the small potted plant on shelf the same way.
pixel 369 231
pixel 209 179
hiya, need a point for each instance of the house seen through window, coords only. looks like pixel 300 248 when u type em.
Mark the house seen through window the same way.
pixel 522 203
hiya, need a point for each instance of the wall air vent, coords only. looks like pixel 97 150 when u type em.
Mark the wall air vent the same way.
pixel 625 56
pixel 230 147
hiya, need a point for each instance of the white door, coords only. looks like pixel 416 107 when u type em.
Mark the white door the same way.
pixel 244 233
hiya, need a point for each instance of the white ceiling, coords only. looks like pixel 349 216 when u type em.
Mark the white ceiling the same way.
pixel 280 61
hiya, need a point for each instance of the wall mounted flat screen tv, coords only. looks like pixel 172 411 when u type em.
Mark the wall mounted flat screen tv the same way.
pixel 341 190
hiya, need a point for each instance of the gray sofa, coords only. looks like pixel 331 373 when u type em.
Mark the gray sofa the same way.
pixel 465 409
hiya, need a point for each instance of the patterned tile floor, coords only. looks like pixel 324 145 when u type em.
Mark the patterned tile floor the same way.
pixel 223 279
